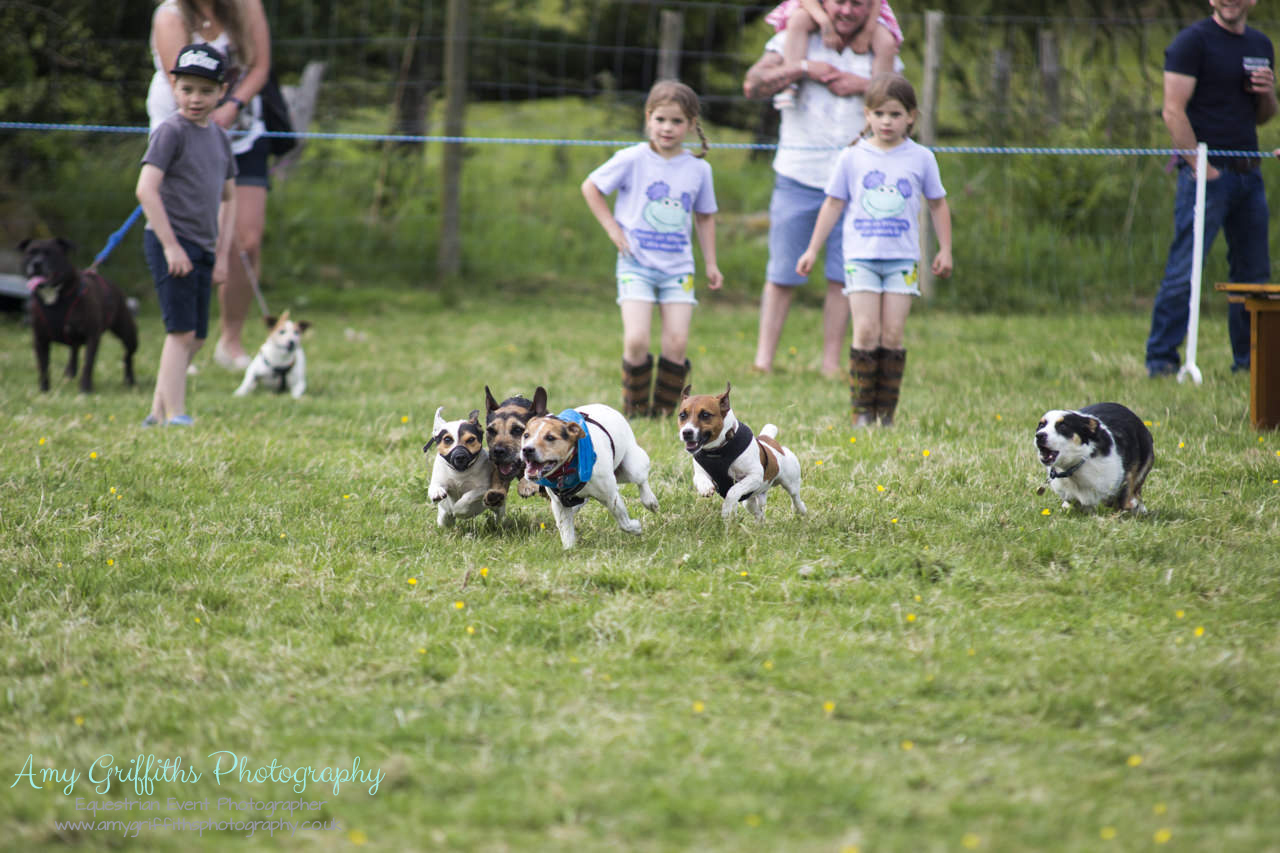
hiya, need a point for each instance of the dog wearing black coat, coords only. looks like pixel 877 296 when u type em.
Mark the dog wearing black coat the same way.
pixel 72 307
pixel 1100 454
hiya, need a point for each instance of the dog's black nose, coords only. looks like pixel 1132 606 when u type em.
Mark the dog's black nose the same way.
pixel 526 452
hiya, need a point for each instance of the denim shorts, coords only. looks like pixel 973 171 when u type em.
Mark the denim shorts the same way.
pixel 793 210
pixel 891 276
pixel 638 283
pixel 251 166
pixel 184 302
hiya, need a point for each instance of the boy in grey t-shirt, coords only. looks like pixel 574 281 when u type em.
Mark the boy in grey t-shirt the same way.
pixel 187 191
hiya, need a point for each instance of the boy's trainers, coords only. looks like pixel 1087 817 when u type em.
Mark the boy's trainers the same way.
pixel 786 99
pixel 150 421
pixel 181 420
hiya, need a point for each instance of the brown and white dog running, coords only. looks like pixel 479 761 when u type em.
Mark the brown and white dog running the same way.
pixel 585 452
pixel 1100 454
pixel 461 471
pixel 280 359
pixel 729 460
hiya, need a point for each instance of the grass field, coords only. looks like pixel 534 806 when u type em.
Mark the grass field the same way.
pixel 937 658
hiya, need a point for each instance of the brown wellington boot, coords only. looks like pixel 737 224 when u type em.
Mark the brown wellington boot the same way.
pixel 671 380
pixel 636 379
pixel 893 363
pixel 863 375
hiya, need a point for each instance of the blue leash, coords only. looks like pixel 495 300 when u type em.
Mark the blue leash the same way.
pixel 114 239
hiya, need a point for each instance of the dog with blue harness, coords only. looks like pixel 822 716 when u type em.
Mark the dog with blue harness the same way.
pixel 585 452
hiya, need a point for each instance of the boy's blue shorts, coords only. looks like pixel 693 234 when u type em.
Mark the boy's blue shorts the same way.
pixel 184 302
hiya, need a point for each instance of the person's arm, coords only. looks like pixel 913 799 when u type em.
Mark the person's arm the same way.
pixel 1178 89
pixel 940 212
pixel 168 36
pixel 828 216
pixel 599 205
pixel 820 20
pixel 884 48
pixel 705 225
pixel 148 192
pixel 226 230
pixel 770 75
pixel 257 31
pixel 842 84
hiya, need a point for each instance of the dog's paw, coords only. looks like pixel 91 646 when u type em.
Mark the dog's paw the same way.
pixel 527 488
pixel 632 526
pixel 437 494
pixel 495 498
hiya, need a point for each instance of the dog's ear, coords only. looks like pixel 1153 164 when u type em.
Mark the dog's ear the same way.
pixel 724 399
pixel 539 402
pixel 65 245
pixel 439 435
pixel 687 392
pixel 474 417
pixel 22 247
pixel 490 404
pixel 576 433
pixel 270 320
pixel 303 326
pixel 438 423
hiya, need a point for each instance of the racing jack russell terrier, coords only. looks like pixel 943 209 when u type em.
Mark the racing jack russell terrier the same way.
pixel 728 459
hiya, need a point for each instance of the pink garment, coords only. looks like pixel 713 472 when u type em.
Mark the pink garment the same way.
pixel 778 18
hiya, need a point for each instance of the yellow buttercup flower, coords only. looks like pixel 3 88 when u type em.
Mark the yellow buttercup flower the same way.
pixel 93 454
pixel 1199 632
pixel 1107 833
pixel 1046 511
pixel 908 745
pixel 471 629
pixel 458 605
pixel 484 571
pixel 829 707
pixel 413 581
pixel 404 419
pixel 970 841
pixel 1162 836
pixel 699 707
pixel 1133 760
pixel 911 617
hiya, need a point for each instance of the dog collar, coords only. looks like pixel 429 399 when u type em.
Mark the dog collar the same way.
pixel 716 462
pixel 1062 475
pixel 569 479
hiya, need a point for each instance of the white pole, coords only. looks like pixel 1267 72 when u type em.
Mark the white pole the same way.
pixel 1197 263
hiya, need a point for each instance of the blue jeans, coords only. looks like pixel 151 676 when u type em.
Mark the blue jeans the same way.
pixel 1235 203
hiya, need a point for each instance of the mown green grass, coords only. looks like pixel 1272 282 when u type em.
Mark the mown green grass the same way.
pixel 1001 675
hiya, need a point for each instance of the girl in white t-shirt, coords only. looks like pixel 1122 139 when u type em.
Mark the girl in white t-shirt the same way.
pixel 883 178
pixel 663 193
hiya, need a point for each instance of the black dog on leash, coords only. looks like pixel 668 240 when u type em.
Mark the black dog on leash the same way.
pixel 72 307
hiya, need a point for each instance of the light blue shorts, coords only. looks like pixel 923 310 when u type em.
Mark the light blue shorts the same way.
pixel 793 210
pixel 894 276
pixel 638 283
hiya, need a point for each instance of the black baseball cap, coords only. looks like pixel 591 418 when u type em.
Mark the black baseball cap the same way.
pixel 201 60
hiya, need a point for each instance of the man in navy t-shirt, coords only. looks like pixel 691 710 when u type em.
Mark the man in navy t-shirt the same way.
pixel 1219 85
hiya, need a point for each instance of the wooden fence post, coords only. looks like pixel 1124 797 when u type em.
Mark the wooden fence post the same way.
pixel 1049 74
pixel 928 133
pixel 449 259
pixel 669 39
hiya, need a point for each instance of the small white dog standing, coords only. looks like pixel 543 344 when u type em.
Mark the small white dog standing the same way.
pixel 462 469
pixel 585 452
pixel 280 358
pixel 1100 454
pixel 729 460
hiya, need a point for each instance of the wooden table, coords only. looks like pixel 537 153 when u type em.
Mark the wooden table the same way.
pixel 1262 301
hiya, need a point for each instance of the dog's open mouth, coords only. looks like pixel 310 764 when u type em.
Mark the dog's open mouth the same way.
pixel 1048 457
pixel 692 445
pixel 507 469
pixel 34 282
pixel 536 470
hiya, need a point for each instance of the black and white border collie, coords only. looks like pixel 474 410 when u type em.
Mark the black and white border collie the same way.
pixel 1100 454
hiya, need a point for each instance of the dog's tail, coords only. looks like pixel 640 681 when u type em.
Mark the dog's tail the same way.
pixel 769 431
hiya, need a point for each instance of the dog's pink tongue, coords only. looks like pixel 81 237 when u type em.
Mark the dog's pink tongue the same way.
pixel 532 471
pixel 34 282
